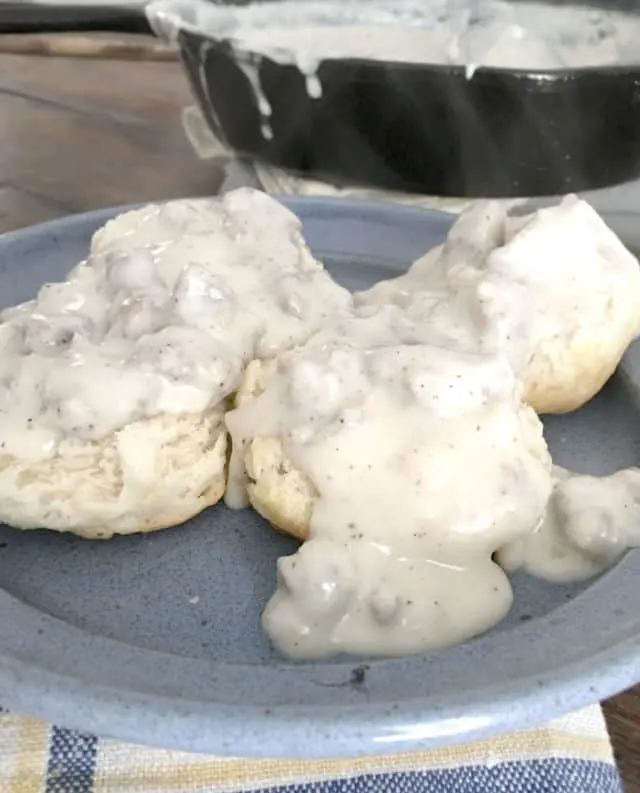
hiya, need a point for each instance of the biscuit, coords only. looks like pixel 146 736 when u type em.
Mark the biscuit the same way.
pixel 561 282
pixel 149 475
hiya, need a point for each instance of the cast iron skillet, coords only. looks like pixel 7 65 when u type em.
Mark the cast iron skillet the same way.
pixel 426 129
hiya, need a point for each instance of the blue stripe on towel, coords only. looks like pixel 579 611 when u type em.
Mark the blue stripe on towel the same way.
pixel 72 761
pixel 554 775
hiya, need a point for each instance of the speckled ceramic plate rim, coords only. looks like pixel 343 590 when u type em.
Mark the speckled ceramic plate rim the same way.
pixel 582 652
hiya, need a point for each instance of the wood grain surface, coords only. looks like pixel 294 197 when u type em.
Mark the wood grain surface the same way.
pixel 78 134
pixel 124 47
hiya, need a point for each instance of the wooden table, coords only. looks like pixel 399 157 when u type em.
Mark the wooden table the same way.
pixel 80 134
pixel 83 134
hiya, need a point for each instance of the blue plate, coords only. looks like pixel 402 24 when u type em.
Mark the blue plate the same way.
pixel 156 638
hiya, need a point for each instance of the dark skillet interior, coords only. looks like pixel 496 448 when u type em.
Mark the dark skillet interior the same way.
pixel 427 129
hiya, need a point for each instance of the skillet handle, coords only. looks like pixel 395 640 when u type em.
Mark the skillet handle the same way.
pixel 21 17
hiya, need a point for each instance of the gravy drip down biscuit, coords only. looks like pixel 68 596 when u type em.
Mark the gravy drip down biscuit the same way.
pixel 404 467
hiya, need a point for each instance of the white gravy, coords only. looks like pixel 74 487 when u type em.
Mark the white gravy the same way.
pixel 590 522
pixel 425 461
pixel 172 303
pixel 527 281
pixel 498 33
pixel 492 33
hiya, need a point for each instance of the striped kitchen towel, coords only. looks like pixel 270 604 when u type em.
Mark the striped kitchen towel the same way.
pixel 569 755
